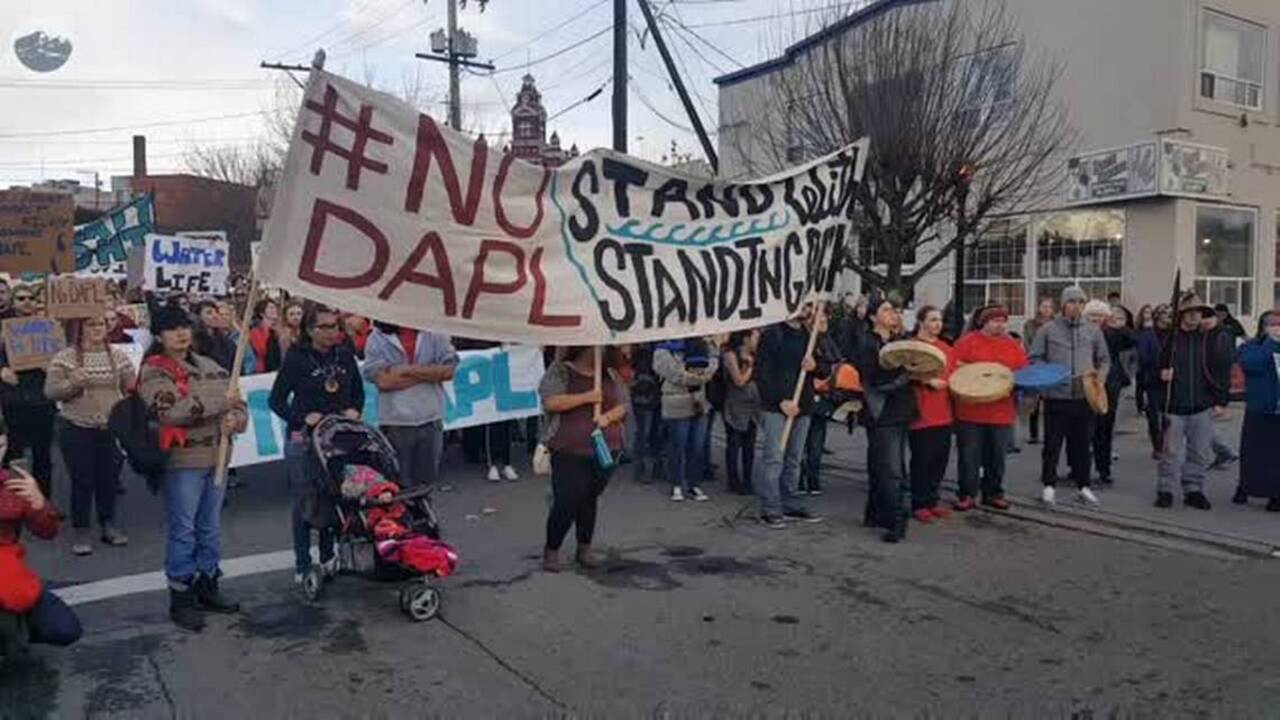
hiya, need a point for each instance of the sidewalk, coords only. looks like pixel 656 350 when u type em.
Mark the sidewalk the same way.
pixel 1126 504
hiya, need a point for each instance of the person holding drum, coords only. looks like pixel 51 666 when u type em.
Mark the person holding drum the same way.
pixel 890 410
pixel 986 413
pixel 930 437
pixel 1071 341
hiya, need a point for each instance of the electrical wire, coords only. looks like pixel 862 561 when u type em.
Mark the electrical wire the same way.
pixel 760 18
pixel 644 100
pixel 681 26
pixel 557 53
pixel 592 96
pixel 125 128
pixel 548 31
pixel 326 33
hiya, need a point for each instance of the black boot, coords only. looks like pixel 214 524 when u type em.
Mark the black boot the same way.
pixel 210 599
pixel 897 532
pixel 182 610
pixel 1240 498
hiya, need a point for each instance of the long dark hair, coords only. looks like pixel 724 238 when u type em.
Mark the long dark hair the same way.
pixel 311 313
pixel 738 338
pixel 612 355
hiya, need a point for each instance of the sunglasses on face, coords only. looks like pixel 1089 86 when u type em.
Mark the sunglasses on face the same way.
pixel 327 326
pixel 23 298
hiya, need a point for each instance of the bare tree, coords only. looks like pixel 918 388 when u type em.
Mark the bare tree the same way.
pixel 964 125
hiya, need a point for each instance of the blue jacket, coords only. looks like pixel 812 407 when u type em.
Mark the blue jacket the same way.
pixel 1261 379
pixel 418 405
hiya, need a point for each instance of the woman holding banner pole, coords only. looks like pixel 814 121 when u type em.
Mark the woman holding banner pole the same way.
pixel 579 396
pixel 88 378
pixel 196 406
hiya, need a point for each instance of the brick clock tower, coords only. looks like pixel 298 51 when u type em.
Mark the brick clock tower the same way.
pixel 529 130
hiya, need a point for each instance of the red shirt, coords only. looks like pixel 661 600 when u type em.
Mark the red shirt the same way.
pixel 976 347
pixel 409 341
pixel 935 405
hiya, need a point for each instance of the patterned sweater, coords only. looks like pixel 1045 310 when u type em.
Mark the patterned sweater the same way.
pixel 195 403
pixel 88 405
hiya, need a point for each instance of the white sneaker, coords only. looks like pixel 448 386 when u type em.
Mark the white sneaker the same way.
pixel 493 473
pixel 677 495
pixel 298 578
pixel 698 495
pixel 509 474
pixel 329 569
pixel 1048 495
pixel 1086 497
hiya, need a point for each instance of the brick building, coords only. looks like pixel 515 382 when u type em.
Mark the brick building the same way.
pixel 191 202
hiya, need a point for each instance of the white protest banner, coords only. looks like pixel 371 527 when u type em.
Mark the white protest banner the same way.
pixel 489 386
pixel 181 264
pixel 385 212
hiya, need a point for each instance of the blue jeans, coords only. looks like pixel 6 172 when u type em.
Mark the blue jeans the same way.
pixel 193 505
pixel 686 443
pixel 300 468
pixel 648 438
pixel 777 483
pixel 51 622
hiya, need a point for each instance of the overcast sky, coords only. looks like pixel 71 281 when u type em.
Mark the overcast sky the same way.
pixel 159 67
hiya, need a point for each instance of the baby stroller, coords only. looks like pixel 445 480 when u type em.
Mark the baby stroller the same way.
pixel 381 532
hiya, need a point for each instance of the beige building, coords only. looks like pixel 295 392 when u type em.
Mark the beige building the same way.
pixel 1177 104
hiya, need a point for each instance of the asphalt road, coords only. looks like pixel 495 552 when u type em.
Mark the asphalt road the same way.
pixel 701 612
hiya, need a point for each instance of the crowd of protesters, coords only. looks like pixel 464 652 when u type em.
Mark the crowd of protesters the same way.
pixel 1180 363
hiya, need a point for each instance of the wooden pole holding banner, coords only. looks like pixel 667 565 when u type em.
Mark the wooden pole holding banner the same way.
pixel 242 342
pixel 818 309
pixel 599 361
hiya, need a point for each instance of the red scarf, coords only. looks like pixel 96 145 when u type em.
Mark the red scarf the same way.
pixel 172 436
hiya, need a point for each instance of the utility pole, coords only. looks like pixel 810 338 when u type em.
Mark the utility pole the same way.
pixel 620 75
pixel 454 48
pixel 676 80
pixel 455 70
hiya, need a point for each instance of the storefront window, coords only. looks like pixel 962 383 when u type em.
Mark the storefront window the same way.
pixel 995 268
pixel 1224 256
pixel 1080 248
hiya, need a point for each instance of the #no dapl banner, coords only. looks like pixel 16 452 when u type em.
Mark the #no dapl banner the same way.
pixel 385 212
pixel 489 386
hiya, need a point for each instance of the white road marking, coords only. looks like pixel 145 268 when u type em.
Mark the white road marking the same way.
pixel 155 581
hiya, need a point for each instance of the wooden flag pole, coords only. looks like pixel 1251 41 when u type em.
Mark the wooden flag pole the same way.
pixel 818 309
pixel 599 360
pixel 242 342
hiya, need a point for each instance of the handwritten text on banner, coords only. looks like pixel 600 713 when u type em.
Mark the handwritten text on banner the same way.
pixel 385 212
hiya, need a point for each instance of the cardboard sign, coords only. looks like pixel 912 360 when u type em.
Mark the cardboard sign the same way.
pixel 36 231
pixel 69 296
pixel 489 386
pixel 102 246
pixel 188 265
pixel 385 212
pixel 29 343
pixel 138 313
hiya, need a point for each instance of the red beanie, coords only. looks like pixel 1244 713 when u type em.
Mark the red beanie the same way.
pixel 992 313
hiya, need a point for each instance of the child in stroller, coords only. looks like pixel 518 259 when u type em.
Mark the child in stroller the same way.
pixel 383 532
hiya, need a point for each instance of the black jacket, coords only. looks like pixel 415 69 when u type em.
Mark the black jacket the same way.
pixel 778 361
pixel 1118 341
pixel 300 386
pixel 891 400
pixel 1201 372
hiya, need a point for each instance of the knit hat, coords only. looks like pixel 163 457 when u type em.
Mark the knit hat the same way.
pixel 1097 307
pixel 992 312
pixel 169 317
pixel 1073 293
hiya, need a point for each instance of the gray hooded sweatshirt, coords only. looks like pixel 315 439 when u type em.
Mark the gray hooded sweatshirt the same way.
pixel 1077 344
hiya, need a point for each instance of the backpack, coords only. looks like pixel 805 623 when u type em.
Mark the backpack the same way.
pixel 130 424
pixel 646 386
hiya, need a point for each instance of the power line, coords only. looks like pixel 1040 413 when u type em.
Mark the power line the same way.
pixel 126 128
pixel 375 25
pixel 548 31
pixel 557 53
pixel 385 38
pixel 592 96
pixel 681 26
pixel 644 100
pixel 759 18
pixel 326 33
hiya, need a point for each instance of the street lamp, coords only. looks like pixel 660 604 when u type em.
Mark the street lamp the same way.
pixel 963 179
